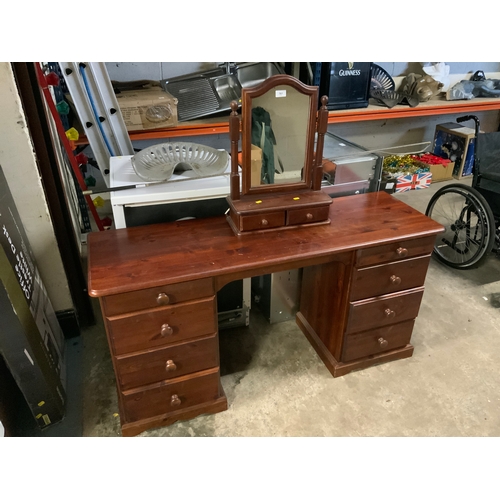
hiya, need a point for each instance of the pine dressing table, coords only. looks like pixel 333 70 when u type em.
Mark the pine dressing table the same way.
pixel 363 282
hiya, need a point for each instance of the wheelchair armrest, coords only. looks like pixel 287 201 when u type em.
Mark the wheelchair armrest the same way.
pixel 491 176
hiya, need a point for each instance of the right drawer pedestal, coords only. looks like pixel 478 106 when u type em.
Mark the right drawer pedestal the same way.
pixel 386 292
pixel 384 287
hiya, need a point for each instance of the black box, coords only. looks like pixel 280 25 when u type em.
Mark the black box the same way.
pixel 388 184
pixel 31 340
pixel 346 84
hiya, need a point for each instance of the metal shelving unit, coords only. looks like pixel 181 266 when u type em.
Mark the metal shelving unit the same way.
pixel 372 112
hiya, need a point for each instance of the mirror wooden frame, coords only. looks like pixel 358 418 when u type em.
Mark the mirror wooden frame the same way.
pixel 284 205
pixel 248 96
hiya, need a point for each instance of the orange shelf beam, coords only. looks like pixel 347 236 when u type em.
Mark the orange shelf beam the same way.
pixel 371 113
pixel 431 108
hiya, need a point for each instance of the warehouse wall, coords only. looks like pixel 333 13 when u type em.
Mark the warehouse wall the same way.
pixel 128 71
pixel 458 70
pixel 370 135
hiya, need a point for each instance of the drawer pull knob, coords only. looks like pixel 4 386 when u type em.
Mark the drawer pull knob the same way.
pixel 163 299
pixel 395 280
pixel 309 216
pixel 382 342
pixel 170 366
pixel 166 330
pixel 402 252
pixel 264 222
pixel 175 400
pixel 390 313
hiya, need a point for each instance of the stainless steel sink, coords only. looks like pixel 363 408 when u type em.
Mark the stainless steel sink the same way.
pixel 227 87
pixel 211 92
pixel 251 74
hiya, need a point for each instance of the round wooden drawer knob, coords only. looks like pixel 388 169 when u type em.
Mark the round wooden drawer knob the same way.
pixel 402 252
pixel 395 280
pixel 163 299
pixel 390 313
pixel 166 330
pixel 170 366
pixel 309 216
pixel 265 222
pixel 175 400
pixel 382 342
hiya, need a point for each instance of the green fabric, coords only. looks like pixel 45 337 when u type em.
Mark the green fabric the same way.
pixel 263 137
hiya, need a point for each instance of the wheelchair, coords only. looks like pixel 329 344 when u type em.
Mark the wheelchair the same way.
pixel 470 214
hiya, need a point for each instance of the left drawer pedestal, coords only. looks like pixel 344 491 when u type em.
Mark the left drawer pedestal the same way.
pixel 165 355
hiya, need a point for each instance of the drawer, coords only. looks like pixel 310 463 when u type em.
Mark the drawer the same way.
pixel 163 326
pixel 394 251
pixel 307 215
pixel 377 340
pixel 171 395
pixel 384 310
pixel 389 278
pixel 262 221
pixel 167 362
pixel 124 303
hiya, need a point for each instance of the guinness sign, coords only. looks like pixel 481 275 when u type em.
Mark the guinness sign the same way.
pixel 350 71
pixel 347 84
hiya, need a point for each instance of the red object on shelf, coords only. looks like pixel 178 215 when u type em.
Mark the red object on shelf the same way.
pixel 107 222
pixel 431 159
pixel 52 79
pixel 81 159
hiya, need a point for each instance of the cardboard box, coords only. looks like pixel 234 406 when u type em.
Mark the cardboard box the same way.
pixel 147 109
pixel 440 168
pixel 442 172
pixel 31 340
pixel 456 143
pixel 408 182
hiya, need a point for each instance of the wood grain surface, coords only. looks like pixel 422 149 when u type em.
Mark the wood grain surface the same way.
pixel 130 259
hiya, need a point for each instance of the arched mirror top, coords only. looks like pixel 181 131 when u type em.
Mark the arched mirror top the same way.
pixel 278 131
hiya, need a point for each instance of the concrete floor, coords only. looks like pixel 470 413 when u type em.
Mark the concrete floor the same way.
pixel 276 385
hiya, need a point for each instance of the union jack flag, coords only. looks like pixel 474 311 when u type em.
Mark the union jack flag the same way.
pixel 413 181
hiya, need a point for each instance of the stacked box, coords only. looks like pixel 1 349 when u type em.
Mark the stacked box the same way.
pixel 31 340
pixel 456 143
pixel 440 168
pixel 147 109
pixel 442 172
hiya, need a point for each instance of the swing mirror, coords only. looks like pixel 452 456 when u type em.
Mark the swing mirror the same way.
pixel 280 183
pixel 278 131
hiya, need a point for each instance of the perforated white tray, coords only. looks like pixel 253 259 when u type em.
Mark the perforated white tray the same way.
pixel 157 163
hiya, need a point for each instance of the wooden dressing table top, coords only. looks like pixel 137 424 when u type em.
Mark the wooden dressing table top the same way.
pixel 135 258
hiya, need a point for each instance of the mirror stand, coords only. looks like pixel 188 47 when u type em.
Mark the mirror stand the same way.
pixel 255 204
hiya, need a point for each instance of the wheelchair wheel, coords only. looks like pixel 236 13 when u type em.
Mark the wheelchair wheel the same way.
pixel 469 226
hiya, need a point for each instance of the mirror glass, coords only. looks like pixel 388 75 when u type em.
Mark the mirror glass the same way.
pixel 279 132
